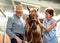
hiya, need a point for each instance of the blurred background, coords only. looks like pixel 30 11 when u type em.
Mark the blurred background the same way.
pixel 7 8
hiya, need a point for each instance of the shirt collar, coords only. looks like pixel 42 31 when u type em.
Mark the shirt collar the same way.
pixel 49 20
pixel 16 16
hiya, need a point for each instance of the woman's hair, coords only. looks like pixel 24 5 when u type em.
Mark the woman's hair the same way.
pixel 50 11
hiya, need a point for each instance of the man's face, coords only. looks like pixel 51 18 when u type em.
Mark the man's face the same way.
pixel 19 13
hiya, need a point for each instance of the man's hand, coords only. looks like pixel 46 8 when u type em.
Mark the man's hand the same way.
pixel 18 39
pixel 25 41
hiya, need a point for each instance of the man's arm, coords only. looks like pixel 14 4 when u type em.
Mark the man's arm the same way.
pixel 10 32
pixel 9 28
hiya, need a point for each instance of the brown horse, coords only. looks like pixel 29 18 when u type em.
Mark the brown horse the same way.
pixel 33 28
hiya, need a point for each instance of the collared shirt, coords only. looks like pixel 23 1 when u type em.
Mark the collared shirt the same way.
pixel 49 37
pixel 15 25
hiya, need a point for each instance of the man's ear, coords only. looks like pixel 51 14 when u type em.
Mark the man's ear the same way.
pixel 37 9
pixel 28 8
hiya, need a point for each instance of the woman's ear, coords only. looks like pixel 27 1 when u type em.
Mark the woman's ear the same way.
pixel 28 8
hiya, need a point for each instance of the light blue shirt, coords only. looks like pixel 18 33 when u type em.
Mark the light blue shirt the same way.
pixel 15 25
pixel 49 37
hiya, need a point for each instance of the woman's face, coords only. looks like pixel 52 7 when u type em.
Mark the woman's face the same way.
pixel 48 16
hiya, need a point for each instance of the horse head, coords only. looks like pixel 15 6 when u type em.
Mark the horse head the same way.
pixel 33 15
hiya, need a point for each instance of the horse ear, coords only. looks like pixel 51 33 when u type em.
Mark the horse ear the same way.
pixel 28 8
pixel 38 9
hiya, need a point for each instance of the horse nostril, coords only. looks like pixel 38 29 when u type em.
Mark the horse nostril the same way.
pixel 34 15
pixel 33 27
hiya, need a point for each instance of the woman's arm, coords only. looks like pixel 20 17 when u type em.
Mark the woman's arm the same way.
pixel 49 28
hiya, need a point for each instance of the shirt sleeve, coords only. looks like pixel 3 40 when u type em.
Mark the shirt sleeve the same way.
pixel 9 28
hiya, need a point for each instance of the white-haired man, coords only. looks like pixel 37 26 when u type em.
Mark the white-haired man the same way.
pixel 15 26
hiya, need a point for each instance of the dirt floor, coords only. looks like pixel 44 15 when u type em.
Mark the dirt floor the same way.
pixel 59 40
pixel 8 39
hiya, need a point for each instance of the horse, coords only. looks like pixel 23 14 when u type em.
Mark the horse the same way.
pixel 33 32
